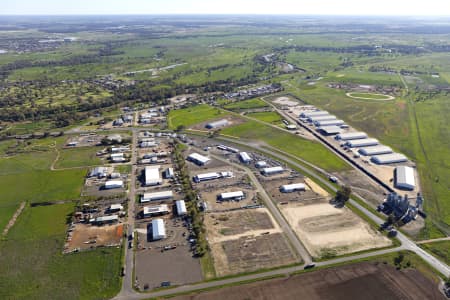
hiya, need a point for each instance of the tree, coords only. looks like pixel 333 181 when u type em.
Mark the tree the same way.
pixel 180 128
pixel 343 194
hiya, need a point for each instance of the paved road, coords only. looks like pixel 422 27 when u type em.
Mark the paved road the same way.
pixel 127 281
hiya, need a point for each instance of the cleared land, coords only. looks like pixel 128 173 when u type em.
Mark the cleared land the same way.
pixel 246 104
pixel 366 280
pixel 193 115
pixel 370 96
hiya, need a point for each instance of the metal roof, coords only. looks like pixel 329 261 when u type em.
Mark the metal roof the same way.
pixel 152 175
pixel 181 207
pixel 158 229
pixel 362 142
pixel 293 187
pixel 198 158
pixel 156 196
pixel 352 135
pixel 272 170
pixel 330 129
pixel 329 122
pixel 374 150
pixel 232 195
pixel 404 177
pixel 157 209
pixel 389 158
pixel 245 157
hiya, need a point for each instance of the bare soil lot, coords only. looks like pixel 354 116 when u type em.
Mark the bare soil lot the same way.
pixel 369 281
pixel 329 231
pixel 285 101
pixel 84 140
pixel 86 236
pixel 227 225
pixel 251 253
pixel 155 265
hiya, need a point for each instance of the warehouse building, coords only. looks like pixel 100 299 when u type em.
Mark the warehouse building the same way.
pixel 316 113
pixel 113 184
pixel 217 124
pixel 181 207
pixel 152 175
pixel 227 148
pixel 362 143
pixel 329 123
pixel 351 136
pixel 389 158
pixel 272 170
pixel 231 196
pixel 158 229
pixel 404 178
pixel 198 159
pixel 261 164
pixel 156 196
pixel 245 158
pixel 322 118
pixel 105 220
pixel 147 144
pixel 114 208
pixel 211 176
pixel 117 157
pixel 168 173
pixel 289 188
pixel 329 130
pixel 375 150
pixel 100 172
pixel 157 210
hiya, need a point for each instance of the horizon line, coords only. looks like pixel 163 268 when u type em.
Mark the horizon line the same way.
pixel 220 14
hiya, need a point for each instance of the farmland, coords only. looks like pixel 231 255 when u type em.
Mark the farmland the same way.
pixel 193 115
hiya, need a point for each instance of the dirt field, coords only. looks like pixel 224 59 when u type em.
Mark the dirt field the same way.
pixel 285 101
pixel 231 225
pixel 83 236
pixel 369 281
pixel 251 253
pixel 329 231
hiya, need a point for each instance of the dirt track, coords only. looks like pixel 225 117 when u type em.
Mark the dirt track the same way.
pixel 368 281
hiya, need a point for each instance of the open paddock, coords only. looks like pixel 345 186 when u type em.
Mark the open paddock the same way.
pixel 232 121
pixel 252 252
pixel 327 231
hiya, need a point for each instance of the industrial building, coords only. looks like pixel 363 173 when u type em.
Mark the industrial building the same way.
pixel 156 196
pixel 272 170
pixel 217 124
pixel 351 136
pixel 389 158
pixel 362 143
pixel 181 207
pixel 113 184
pixel 404 178
pixel 322 118
pixel 100 172
pixel 230 196
pixel 157 210
pixel 316 113
pixel 329 123
pixel 261 164
pixel 400 207
pixel 211 176
pixel 158 229
pixel 245 158
pixel 375 150
pixel 115 208
pixel 227 148
pixel 147 144
pixel 152 175
pixel 289 188
pixel 168 173
pixel 117 157
pixel 105 220
pixel 329 130
pixel 198 159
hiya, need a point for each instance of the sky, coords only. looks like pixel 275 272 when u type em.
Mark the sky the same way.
pixel 301 7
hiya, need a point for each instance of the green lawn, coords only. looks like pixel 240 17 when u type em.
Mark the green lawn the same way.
pixel 439 249
pixel 268 117
pixel 83 156
pixel 193 115
pixel 33 266
pixel 246 104
pixel 310 151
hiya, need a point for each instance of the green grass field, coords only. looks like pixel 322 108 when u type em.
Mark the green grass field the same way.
pixel 85 156
pixel 246 104
pixel 33 266
pixel 310 151
pixel 369 96
pixel 193 115
pixel 439 249
pixel 268 117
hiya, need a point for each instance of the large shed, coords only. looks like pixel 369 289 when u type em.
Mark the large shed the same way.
pixel 155 196
pixel 315 113
pixel 351 136
pixel 158 229
pixel 404 178
pixel 245 158
pixel 217 124
pixel 329 130
pixel 157 210
pixel 113 184
pixel 375 150
pixel 152 175
pixel 272 170
pixel 322 118
pixel 329 123
pixel 239 195
pixel 198 159
pixel 362 143
pixel 181 207
pixel 389 158
pixel 289 188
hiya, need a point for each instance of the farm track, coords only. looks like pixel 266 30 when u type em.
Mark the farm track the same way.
pixel 12 221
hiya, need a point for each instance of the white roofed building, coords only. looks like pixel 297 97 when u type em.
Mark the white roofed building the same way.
pixel 113 184
pixel 245 158
pixel 152 175
pixel 362 143
pixel 157 210
pixel 229 196
pixel 351 136
pixel 217 124
pixel 389 158
pixel 404 178
pixel 156 196
pixel 181 207
pixel 289 188
pixel 272 170
pixel 158 229
pixel 375 150
pixel 198 159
